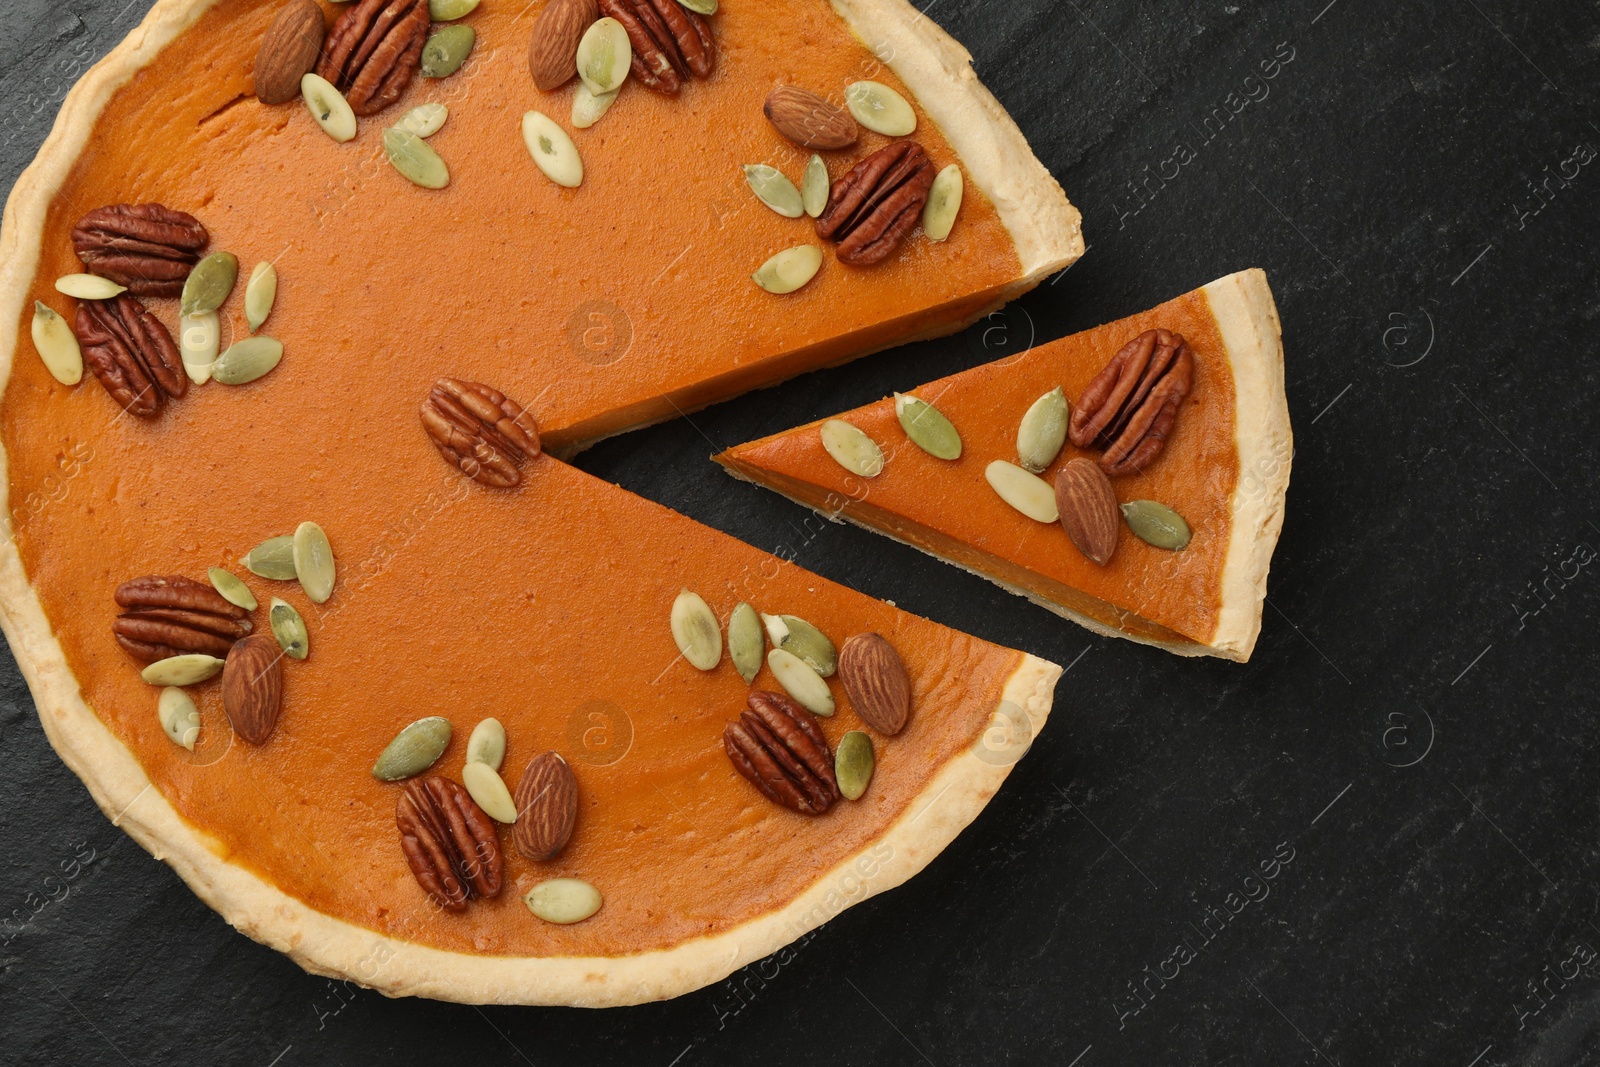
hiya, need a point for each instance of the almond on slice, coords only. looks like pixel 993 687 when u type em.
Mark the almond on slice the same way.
pixel 809 120
pixel 1088 507
pixel 288 51
pixel 547 807
pixel 252 687
pixel 875 679
pixel 553 52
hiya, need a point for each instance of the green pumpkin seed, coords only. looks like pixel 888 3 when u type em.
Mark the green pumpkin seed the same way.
pixel 814 187
pixel 179 717
pixel 798 637
pixel 746 645
pixel 424 120
pixel 209 283
pixel 272 558
pixel 489 790
pixel 450 10
pixel 552 149
pixel 1043 431
pixel 927 427
pixel 880 109
pixel 446 50
pixel 801 681
pixel 702 7
pixel 57 345
pixel 588 106
pixel 605 55
pixel 328 107
pixel 1156 524
pixel 853 762
pixel 695 630
pixel 199 336
pixel 88 287
pixel 247 360
pixel 773 188
pixel 413 750
pixel 1028 493
pixel 944 202
pixel 789 269
pixel 289 628
pixel 189 669
pixel 259 294
pixel 411 156
pixel 563 900
pixel 851 448
pixel 487 744
pixel 313 562
pixel 233 590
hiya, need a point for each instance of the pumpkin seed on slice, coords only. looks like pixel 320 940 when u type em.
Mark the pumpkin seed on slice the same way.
pixel 927 427
pixel 259 294
pixel 944 202
pixel 1043 431
pixel 745 642
pixel 424 120
pixel 199 337
pixel 789 269
pixel 289 628
pixel 563 900
pixel 552 150
pixel 695 630
pixel 179 717
pixel 588 106
pixel 233 590
pixel 413 750
pixel 798 637
pixel 272 558
pixel 1156 524
pixel 880 109
pixel 604 56
pixel 1028 493
pixel 849 445
pixel 490 792
pixel 88 287
pixel 853 762
pixel 57 345
pixel 815 186
pixel 450 10
pixel 487 744
pixel 188 669
pixel 329 107
pixel 702 7
pixel 313 562
pixel 413 158
pixel 446 50
pixel 801 681
pixel 247 360
pixel 209 283
pixel 773 188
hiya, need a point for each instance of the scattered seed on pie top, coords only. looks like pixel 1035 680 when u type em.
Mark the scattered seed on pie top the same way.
pixel 289 628
pixel 1156 524
pixel 588 106
pixel 413 750
pixel 563 900
pixel 552 150
pixel 209 283
pixel 199 337
pixel 851 448
pixel 798 637
pixel 944 203
pixel 188 669
pixel 605 56
pixel 328 107
pixel 446 50
pixel 415 159
pixel 272 558
pixel 57 345
pixel 260 292
pixel 88 287
pixel 487 743
pixel 179 717
pixel 313 562
pixel 489 790
pixel 774 189
pixel 880 109
pixel 814 187
pixel 927 427
pixel 789 270
pixel 801 681
pixel 1043 431
pixel 695 631
pixel 1028 493
pixel 247 359
pixel 450 10
pixel 853 763
pixel 233 590
pixel 746 645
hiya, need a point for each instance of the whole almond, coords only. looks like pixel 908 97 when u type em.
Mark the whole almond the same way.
pixel 553 52
pixel 547 807
pixel 809 120
pixel 288 51
pixel 252 687
pixel 875 679
pixel 1088 507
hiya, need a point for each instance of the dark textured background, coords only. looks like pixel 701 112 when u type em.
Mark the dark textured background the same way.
pixel 1439 320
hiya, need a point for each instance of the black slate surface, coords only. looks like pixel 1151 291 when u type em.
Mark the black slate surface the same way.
pixel 1410 754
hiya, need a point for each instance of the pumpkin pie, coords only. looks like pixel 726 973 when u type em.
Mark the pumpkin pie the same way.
pixel 1202 473
pixel 706 805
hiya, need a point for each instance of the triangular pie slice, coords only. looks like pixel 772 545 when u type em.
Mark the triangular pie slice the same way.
pixel 1223 467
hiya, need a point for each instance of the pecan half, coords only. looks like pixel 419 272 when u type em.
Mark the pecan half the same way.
pixel 670 43
pixel 448 841
pixel 172 615
pixel 1130 407
pixel 147 248
pixel 374 50
pixel 877 203
pixel 478 430
pixel 132 354
pixel 778 747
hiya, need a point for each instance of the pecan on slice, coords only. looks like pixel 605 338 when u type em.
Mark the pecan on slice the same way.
pixel 146 248
pixel 778 747
pixel 877 203
pixel 170 615
pixel 1130 407
pixel 448 841
pixel 670 43
pixel 373 51
pixel 132 354
pixel 481 432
